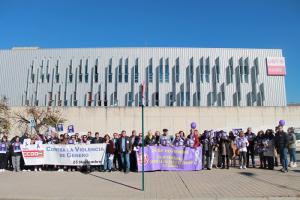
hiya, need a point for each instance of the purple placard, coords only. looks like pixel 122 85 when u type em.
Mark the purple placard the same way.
pixel 170 158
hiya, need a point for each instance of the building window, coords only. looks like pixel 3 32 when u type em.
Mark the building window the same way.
pixel 80 71
pixel 120 71
pixel 218 70
pixel 86 74
pixel 110 71
pixel 201 70
pixel 136 71
pixel 96 71
pixel 230 71
pixel 42 72
pixel 161 70
pixel 47 72
pixel 167 74
pixel 70 72
pixel 57 72
pixel 150 71
pixel 177 72
pixel 207 70
pixel 32 74
pixel 241 70
pixel 246 71
pixel 191 70
pixel 126 73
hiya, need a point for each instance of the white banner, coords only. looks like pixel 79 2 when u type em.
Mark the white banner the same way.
pixel 70 155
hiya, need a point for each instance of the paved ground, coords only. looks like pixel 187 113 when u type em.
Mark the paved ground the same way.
pixel 215 184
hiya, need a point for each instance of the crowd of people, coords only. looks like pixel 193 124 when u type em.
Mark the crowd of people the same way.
pixel 219 148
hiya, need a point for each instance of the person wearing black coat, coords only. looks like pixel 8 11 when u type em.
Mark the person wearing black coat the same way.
pixel 282 143
pixel 224 149
pixel 133 160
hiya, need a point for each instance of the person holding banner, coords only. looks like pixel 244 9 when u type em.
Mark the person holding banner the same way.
pixel 157 137
pixel 150 139
pixel 242 144
pixel 178 141
pixel 4 147
pixel 165 139
pixel 124 147
pixel 16 154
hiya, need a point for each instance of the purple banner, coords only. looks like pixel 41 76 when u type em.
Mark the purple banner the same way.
pixel 170 158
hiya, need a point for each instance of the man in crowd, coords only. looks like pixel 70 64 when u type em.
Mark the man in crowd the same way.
pixel 281 143
pixel 124 147
pixel 134 139
pixel 251 137
pixel 165 139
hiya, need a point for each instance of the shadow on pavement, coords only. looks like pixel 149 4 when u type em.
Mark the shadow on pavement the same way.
pixel 252 175
pixel 116 182
pixel 247 174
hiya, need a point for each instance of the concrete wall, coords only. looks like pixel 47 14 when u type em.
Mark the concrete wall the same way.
pixel 109 120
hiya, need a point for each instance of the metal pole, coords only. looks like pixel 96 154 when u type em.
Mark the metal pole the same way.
pixel 143 172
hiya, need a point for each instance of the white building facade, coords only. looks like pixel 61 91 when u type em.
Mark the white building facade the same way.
pixel 171 77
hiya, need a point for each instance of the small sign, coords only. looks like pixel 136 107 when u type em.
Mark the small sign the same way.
pixel 60 128
pixel 31 122
pixel 71 130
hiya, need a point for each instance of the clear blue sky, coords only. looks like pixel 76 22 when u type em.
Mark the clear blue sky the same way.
pixel 168 23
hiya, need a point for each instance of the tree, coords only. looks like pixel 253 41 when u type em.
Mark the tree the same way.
pixel 43 117
pixel 4 115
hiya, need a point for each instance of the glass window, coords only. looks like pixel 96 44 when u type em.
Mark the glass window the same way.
pixel 207 70
pixel 47 72
pixel 150 71
pixel 191 69
pixel 57 72
pixel 126 71
pixel 218 70
pixel 201 70
pixel 110 71
pixel 167 71
pixel 96 71
pixel 136 71
pixel 177 71
pixel 70 72
pixel 80 71
pixel 86 77
pixel 120 71
pixel 161 70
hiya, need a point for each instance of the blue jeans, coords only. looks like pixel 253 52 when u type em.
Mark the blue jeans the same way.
pixel 125 161
pixel 292 154
pixel 283 158
pixel 107 162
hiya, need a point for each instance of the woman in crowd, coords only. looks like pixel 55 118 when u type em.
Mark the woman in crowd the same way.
pixel 150 139
pixel 157 137
pixel 242 144
pixel 260 147
pixel 182 135
pixel 178 141
pixel 16 154
pixel 34 140
pixel 292 147
pixel 225 149
pixel 269 149
pixel 233 149
pixel 4 148
pixel 109 155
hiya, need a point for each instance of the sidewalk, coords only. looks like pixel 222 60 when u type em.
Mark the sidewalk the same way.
pixel 214 184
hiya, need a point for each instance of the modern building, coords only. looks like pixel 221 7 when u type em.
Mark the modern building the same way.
pixel 171 77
